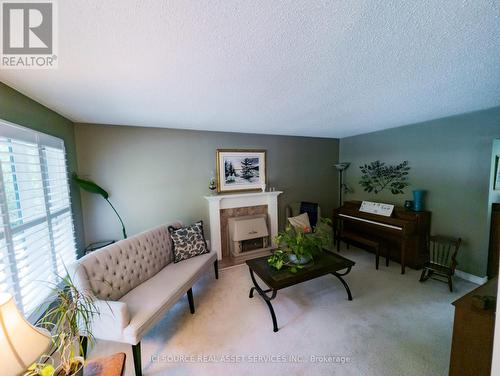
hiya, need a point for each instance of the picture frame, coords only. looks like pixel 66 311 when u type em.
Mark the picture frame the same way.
pixel 496 177
pixel 240 170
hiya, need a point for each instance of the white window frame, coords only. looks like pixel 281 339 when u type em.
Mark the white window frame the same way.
pixel 10 231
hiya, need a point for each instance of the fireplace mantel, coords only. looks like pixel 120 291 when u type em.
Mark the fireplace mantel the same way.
pixel 240 200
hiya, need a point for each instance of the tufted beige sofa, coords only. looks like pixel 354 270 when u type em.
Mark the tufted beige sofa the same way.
pixel 135 282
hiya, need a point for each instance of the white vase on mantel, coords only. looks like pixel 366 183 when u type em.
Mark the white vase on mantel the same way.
pixel 263 187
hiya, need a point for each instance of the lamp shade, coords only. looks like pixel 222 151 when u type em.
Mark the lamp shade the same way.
pixel 21 342
pixel 341 166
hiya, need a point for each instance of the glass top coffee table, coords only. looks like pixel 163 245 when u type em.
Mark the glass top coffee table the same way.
pixel 323 264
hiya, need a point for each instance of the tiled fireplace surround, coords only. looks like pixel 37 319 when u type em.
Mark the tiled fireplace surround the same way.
pixel 222 207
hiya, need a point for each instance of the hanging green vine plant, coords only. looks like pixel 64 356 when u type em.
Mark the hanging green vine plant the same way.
pixel 378 176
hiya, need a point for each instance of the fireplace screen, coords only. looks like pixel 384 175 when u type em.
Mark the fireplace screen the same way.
pixel 251 244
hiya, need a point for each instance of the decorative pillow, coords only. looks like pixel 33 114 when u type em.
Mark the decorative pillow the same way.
pixel 188 241
pixel 301 222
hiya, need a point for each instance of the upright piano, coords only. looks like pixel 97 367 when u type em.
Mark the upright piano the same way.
pixel 404 234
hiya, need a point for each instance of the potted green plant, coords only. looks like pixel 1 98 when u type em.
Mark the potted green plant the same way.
pixel 90 186
pixel 296 248
pixel 69 316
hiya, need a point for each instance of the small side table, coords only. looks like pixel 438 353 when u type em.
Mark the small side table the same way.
pixel 113 365
pixel 96 245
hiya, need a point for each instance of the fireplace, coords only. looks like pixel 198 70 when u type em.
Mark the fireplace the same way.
pixel 223 207
pixel 248 235
pixel 252 244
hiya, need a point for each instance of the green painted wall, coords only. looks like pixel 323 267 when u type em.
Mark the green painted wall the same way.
pixel 158 175
pixel 19 109
pixel 451 159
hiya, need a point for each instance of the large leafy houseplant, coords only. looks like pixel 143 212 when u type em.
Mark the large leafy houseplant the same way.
pixel 68 317
pixel 90 186
pixel 295 245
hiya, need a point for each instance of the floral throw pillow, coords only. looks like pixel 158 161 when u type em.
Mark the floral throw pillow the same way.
pixel 188 241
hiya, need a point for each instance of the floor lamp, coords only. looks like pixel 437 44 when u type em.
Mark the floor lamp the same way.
pixel 341 167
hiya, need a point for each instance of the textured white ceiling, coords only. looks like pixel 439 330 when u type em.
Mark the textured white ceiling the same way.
pixel 312 68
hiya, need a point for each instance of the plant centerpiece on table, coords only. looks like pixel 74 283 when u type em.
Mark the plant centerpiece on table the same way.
pixel 69 316
pixel 296 247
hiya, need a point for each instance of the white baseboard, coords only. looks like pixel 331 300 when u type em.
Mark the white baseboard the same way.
pixel 471 277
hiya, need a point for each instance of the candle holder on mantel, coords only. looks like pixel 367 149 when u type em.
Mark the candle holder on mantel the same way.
pixel 212 183
pixel 341 167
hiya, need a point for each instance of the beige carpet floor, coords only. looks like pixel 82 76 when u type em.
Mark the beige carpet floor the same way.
pixel 394 326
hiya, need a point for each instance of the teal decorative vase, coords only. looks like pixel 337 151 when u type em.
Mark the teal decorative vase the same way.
pixel 418 200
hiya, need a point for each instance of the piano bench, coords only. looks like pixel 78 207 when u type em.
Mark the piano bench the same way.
pixel 351 237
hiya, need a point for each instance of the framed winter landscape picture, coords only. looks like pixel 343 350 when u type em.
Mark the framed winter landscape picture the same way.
pixel 240 170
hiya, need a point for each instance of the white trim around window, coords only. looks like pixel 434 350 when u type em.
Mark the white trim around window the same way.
pixel 36 224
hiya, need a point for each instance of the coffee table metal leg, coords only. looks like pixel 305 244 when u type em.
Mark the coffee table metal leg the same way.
pixel 267 299
pixel 254 288
pixel 273 315
pixel 346 286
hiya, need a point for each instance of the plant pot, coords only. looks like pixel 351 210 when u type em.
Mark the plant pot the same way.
pixel 78 368
pixel 301 260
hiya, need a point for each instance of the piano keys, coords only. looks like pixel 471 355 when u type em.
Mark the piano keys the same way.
pixel 405 234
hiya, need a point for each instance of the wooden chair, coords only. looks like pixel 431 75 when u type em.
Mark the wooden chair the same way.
pixel 293 209
pixel 443 253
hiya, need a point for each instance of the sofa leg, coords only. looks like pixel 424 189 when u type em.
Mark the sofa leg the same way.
pixel 190 300
pixel 216 269
pixel 136 352
pixel 83 346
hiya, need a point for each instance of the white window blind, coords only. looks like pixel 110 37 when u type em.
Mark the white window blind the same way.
pixel 36 225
